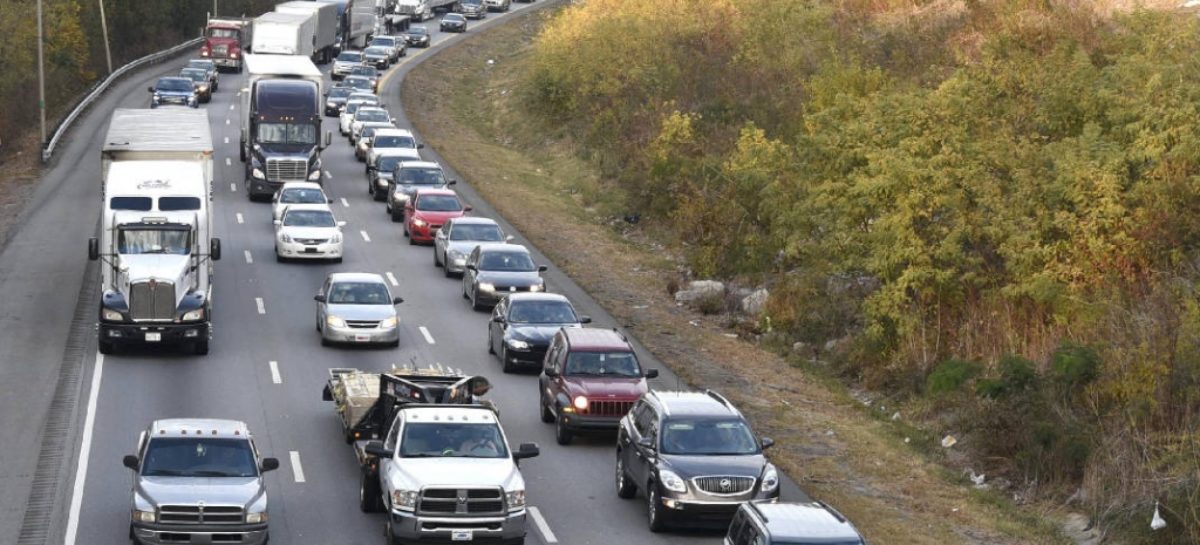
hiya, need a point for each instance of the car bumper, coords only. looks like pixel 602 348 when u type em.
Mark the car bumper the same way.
pixel 154 333
pixel 434 530
pixel 589 422
pixel 354 335
pixel 422 234
pixel 294 250
pixel 382 63
pixel 333 112
pixel 715 514
pixel 258 187
pixel 527 358
pixel 455 265
pixel 188 534
pixel 493 297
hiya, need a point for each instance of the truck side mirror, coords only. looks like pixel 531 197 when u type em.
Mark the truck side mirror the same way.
pixel 651 373
pixel 93 249
pixel 319 298
pixel 585 319
pixel 269 464
pixel 375 448
pixel 526 450
pixel 130 461
pixel 214 249
pixel 766 442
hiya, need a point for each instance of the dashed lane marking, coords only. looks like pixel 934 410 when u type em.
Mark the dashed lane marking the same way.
pixel 232 187
pixel 226 139
pixel 425 333
pixel 231 106
pixel 240 218
pixel 365 236
pixel 249 258
pixel 262 309
pixel 392 278
pixel 275 372
pixel 345 202
pixel 228 162
pixel 297 469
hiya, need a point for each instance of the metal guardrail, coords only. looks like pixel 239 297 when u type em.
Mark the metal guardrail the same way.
pixel 48 151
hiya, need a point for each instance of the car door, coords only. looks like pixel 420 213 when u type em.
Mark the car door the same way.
pixel 639 458
pixel 390 442
pixel 545 381
pixel 496 327
pixel 470 272
pixel 439 242
pixel 322 304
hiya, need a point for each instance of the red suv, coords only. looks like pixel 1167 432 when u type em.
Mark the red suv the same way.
pixel 590 379
pixel 425 213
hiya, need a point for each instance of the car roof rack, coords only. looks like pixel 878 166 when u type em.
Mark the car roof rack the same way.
pixel 836 514
pixel 622 335
pixel 721 399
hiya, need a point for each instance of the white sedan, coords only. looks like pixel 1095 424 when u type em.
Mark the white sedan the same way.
pixel 347 115
pixel 296 193
pixel 368 115
pixel 308 231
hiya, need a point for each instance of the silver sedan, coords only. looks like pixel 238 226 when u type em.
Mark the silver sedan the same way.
pixel 357 308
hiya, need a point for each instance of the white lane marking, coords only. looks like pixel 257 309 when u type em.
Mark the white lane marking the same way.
pixel 249 258
pixel 428 337
pixel 226 139
pixel 228 162
pixel 240 218
pixel 328 176
pixel 297 470
pixel 231 106
pixel 262 309
pixel 345 202
pixel 547 535
pixel 275 372
pixel 232 186
pixel 226 121
pixel 85 448
pixel 365 236
pixel 392 278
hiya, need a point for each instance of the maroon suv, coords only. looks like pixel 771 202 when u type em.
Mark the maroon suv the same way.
pixel 590 379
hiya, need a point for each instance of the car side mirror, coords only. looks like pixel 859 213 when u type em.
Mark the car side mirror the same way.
pixel 526 450
pixel 498 319
pixel 471 267
pixel 468 208
pixel 277 222
pixel 420 146
pixel 269 464
pixel 651 373
pixel 214 249
pixel 397 300
pixel 151 89
pixel 646 443
pixel 371 168
pixel 93 249
pixel 328 200
pixel 452 182
pixel 550 372
pixel 341 224
pixel 766 442
pixel 509 238
pixel 375 448
pixel 130 461
pixel 543 268
pixel 319 298
pixel 585 319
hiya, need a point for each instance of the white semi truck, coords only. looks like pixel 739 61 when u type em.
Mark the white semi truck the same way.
pixel 325 24
pixel 156 242
pixel 278 33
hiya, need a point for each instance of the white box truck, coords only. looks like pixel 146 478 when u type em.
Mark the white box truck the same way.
pixel 326 24
pixel 285 34
pixel 156 241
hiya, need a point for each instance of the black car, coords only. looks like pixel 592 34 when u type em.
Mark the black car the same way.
pixel 694 457
pixel 523 324
pixel 453 22
pixel 417 36
pixel 336 100
pixel 378 56
pixel 791 524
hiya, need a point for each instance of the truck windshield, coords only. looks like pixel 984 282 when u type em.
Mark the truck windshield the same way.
pixel 423 440
pixel 199 457
pixel 153 241
pixel 171 204
pixel 222 33
pixel 286 133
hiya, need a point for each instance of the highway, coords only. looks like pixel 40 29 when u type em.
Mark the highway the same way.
pixel 266 366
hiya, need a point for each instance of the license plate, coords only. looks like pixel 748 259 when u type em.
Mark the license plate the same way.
pixel 461 535
pixel 362 338
pixel 153 337
pixel 310 250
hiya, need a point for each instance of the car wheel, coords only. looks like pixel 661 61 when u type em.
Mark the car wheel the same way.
pixel 489 343
pixel 562 435
pixel 547 414
pixel 505 364
pixel 337 260
pixel 436 263
pixel 654 509
pixel 397 217
pixel 446 271
pixel 475 303
pixel 625 487
pixel 376 194
pixel 107 347
pixel 200 348
pixel 324 341
pixel 369 500
pixel 389 535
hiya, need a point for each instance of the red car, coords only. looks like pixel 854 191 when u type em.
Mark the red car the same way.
pixel 590 379
pixel 425 213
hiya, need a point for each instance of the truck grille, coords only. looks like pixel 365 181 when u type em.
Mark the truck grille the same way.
pixel 152 300
pixel 615 409
pixel 200 514
pixel 287 170
pixel 724 485
pixel 221 50
pixel 461 501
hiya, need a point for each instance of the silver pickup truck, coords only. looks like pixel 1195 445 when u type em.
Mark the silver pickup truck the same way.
pixel 198 480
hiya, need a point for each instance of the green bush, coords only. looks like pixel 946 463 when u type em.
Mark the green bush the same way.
pixel 950 375
pixel 1075 365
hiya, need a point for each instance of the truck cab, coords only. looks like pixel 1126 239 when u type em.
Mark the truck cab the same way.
pixel 198 480
pixel 226 41
pixel 281 129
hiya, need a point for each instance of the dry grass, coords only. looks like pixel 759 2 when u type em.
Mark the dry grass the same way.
pixel 838 450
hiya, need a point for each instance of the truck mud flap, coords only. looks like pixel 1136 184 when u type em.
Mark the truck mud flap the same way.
pixel 326 394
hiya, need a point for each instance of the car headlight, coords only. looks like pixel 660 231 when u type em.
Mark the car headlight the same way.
pixel 537 287
pixel 143 516
pixel 671 481
pixel 516 499
pixel 770 479
pixel 258 173
pixel 315 175
pixel 336 238
pixel 156 99
pixel 256 518
pixel 419 222
pixel 518 345
pixel 487 286
pixel 113 315
pixel 404 500
pixel 388 323
pixel 204 88
pixel 334 321
pixel 331 104
pixel 284 237
pixel 193 315
pixel 580 402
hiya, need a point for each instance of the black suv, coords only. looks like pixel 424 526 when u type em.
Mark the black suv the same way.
pixel 694 457
pixel 791 524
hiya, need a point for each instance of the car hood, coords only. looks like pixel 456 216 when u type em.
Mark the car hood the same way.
pixel 309 232
pixel 465 472
pixel 536 334
pixel 361 312
pixel 750 465
pixel 437 217
pixel 165 267
pixel 605 388
pixel 240 491
pixel 510 278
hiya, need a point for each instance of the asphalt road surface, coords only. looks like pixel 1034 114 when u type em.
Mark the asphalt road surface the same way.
pixel 266 367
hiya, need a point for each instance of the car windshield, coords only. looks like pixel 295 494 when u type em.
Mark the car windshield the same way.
pixel 194 74
pixel 603 364
pixel 506 261
pixel 368 132
pixel 438 203
pixel 350 56
pixel 708 437
pixel 286 133
pixel 359 82
pixel 421 176
pixel 364 71
pixel 309 218
pixel 423 440
pixel 359 293
pixel 542 312
pixel 384 41
pixel 340 92
pixel 371 115
pixel 153 241
pixel 174 85
pixel 396 142
pixel 302 196
pixel 203 64
pixel 418 31
pixel 222 33
pixel 198 457
pixel 377 51
pixel 484 233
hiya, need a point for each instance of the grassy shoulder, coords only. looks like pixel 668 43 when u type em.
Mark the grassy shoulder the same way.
pixel 883 476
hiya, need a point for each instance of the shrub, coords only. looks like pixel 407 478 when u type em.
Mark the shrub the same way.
pixel 1075 365
pixel 950 375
